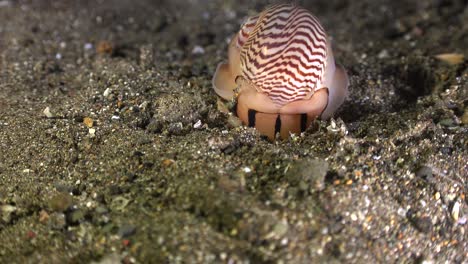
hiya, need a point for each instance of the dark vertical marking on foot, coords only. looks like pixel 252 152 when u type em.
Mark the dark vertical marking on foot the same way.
pixel 303 122
pixel 278 125
pixel 251 115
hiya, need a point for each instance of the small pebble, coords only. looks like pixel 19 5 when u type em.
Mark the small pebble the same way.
pixel 447 122
pixel 60 202
pixel 451 58
pixel 456 210
pixel 104 47
pixel 43 216
pixel 198 50
pixel 7 211
pixel 88 46
pixel 126 231
pixel 463 220
pixel 48 113
pixel 101 209
pixel 401 212
pixel 383 54
pixel 106 92
pixel 76 216
pixel 143 105
pixel 198 124
pixel 92 132
pixel 280 229
pixel 88 122
pixel 57 221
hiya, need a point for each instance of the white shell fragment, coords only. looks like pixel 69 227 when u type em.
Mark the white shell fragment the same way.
pixel 47 113
pixel 456 211
pixel 451 58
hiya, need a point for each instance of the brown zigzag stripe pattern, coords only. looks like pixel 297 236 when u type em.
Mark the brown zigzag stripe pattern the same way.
pixel 283 52
pixel 245 30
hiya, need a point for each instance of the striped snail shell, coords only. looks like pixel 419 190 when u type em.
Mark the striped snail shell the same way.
pixel 282 66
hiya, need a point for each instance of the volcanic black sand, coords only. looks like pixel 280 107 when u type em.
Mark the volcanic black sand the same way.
pixel 114 146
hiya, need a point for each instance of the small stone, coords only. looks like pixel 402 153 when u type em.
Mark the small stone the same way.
pixel 198 124
pixel 101 209
pixel 92 132
pixel 47 113
pixel 401 212
pixel 176 128
pixel 60 202
pixel 57 221
pixel 456 210
pixel 463 220
pixel 109 227
pixel 337 127
pixel 88 121
pixel 43 216
pixel 280 229
pixel 88 46
pixel 104 47
pixel 383 54
pixel 167 162
pixel 198 50
pixel 106 92
pixel 76 217
pixel 7 212
pixel 126 231
pixel 451 58
pixel 448 122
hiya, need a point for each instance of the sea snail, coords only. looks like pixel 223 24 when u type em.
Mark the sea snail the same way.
pixel 282 72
